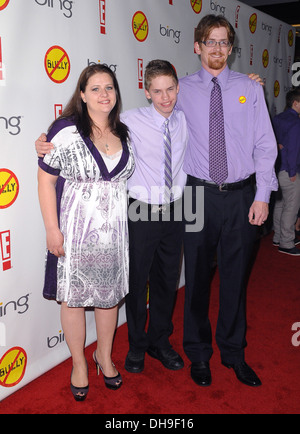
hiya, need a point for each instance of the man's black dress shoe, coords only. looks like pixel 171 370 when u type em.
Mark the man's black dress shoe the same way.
pixel 244 373
pixel 200 373
pixel 168 357
pixel 134 362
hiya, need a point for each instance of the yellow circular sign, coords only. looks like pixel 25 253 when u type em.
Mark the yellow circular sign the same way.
pixel 276 88
pixel 196 6
pixel 242 99
pixel 290 38
pixel 3 4
pixel 9 188
pixel 140 26
pixel 265 58
pixel 12 367
pixel 253 23
pixel 57 64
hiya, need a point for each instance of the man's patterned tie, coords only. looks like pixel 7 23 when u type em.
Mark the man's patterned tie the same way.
pixel 218 170
pixel 168 162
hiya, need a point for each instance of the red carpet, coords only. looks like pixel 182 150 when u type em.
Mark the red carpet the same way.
pixel 273 307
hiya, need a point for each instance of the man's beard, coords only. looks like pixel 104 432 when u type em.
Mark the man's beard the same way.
pixel 216 63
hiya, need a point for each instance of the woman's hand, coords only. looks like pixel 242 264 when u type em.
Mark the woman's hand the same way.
pixel 55 242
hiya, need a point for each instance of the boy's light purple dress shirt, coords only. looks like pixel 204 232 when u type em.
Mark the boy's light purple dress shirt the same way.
pixel 250 141
pixel 146 126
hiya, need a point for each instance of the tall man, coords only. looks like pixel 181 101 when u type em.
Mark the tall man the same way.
pixel 230 140
pixel 287 130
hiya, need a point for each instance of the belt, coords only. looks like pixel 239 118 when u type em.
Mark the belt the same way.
pixel 223 187
pixel 155 208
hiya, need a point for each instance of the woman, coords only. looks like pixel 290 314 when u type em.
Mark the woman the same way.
pixel 83 199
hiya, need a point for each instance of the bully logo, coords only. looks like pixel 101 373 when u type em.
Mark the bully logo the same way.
pixel 291 38
pixel 9 188
pixel 196 6
pixel 3 4
pixel 276 88
pixel 253 23
pixel 57 64
pixel 265 58
pixel 13 367
pixel 140 26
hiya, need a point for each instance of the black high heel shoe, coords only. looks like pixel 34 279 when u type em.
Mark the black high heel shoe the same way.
pixel 112 383
pixel 79 393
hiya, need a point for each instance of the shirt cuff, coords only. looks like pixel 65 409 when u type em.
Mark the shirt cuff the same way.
pixel 263 194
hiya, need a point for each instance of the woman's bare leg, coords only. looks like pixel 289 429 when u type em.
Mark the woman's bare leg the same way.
pixel 74 327
pixel 106 323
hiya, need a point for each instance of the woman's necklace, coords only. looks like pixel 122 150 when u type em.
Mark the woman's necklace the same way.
pixel 101 141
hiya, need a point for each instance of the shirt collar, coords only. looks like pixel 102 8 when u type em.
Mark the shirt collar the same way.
pixel 293 112
pixel 206 77
pixel 160 119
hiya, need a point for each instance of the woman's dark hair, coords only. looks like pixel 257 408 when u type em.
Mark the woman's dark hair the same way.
pixel 77 110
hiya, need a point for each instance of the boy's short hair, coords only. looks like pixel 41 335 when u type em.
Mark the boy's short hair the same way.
pixel 156 68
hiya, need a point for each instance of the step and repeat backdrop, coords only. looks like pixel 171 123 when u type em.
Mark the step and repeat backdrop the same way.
pixel 44 45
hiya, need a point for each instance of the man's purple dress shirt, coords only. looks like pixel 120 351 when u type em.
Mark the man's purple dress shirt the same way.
pixel 250 140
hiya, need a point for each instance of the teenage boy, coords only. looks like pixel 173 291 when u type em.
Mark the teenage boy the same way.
pixel 158 137
pixel 156 240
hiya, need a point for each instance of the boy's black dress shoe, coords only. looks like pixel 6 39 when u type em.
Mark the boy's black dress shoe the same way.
pixel 200 373
pixel 168 357
pixel 244 373
pixel 134 362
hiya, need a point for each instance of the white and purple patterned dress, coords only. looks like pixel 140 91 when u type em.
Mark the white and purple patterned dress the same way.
pixel 92 210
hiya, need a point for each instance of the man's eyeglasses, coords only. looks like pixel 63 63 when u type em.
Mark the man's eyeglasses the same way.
pixel 210 43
